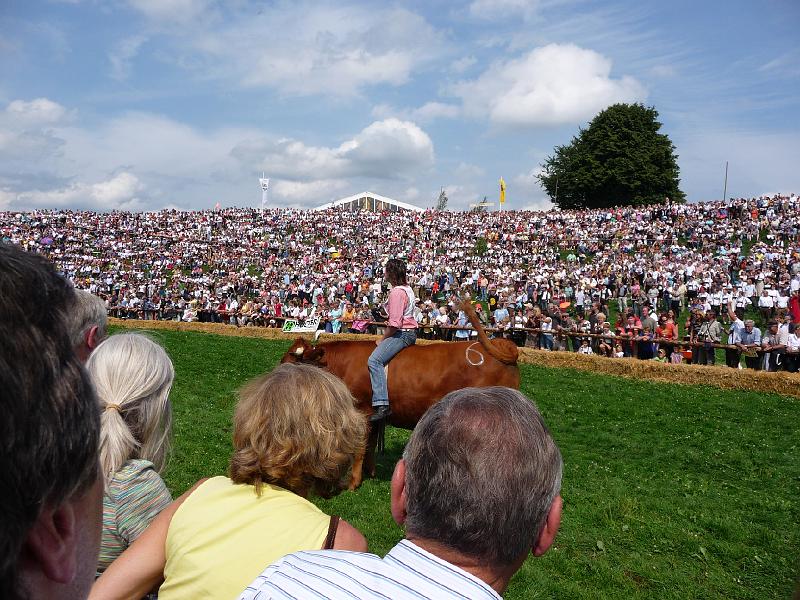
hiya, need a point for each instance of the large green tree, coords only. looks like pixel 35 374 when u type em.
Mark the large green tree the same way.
pixel 620 159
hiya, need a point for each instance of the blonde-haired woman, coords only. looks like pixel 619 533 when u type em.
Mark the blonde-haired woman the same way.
pixel 132 376
pixel 296 433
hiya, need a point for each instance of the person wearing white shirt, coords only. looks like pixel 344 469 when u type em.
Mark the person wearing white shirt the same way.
pixel 742 302
pixel 750 290
pixel 766 305
pixel 733 355
pixel 773 346
pixel 547 333
pixel 792 350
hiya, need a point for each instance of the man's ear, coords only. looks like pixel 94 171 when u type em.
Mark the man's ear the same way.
pixel 398 493
pixel 550 529
pixel 52 543
pixel 92 337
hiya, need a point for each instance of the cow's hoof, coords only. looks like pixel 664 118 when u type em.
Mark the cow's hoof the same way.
pixel 381 413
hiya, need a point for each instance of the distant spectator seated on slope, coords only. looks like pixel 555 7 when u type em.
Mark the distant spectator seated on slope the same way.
pixel 495 500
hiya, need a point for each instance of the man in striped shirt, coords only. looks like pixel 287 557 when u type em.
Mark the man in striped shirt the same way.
pixel 477 490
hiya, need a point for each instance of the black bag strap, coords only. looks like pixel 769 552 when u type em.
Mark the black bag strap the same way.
pixel 332 527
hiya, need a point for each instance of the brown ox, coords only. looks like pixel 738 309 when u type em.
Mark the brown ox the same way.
pixel 418 376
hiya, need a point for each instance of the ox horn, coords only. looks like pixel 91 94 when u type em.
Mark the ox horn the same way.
pixel 299 352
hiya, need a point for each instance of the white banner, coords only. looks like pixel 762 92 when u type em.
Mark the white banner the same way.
pixel 309 325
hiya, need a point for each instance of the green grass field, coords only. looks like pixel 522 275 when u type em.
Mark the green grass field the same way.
pixel 669 491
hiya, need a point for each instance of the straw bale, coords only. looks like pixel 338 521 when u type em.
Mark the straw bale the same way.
pixel 784 384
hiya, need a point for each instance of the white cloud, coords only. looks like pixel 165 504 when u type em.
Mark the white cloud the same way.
pixel 28 145
pixel 384 111
pixel 526 193
pixel 390 147
pixel 180 11
pixel 430 111
pixel 300 193
pixel 39 111
pixel 334 50
pixel 466 170
pixel 462 64
pixel 6 199
pixel 496 10
pixel 436 110
pixel 551 85
pixel 152 143
pixel 122 56
pixel 385 150
pixel 145 161
pixel 28 132
pixel 784 65
pixel 664 71
pixel 459 196
pixel 410 194
pixel 118 193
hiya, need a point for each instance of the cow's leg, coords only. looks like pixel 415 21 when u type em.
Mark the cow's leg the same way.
pixel 357 474
pixel 369 454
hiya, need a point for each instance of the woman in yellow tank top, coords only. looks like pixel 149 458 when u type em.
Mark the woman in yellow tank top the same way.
pixel 296 433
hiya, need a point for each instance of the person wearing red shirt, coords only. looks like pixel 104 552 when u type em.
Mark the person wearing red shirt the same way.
pixel 667 331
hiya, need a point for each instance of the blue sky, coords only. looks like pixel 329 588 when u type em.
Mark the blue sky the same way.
pixel 146 104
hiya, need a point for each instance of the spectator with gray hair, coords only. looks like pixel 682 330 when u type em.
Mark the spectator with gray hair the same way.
pixel 51 498
pixel 477 489
pixel 133 377
pixel 748 341
pixel 87 322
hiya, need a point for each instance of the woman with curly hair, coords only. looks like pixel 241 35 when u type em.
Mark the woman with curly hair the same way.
pixel 296 434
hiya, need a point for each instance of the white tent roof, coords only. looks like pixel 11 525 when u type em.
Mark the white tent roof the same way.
pixel 378 197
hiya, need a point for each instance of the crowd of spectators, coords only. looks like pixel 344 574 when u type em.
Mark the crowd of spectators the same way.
pixel 661 269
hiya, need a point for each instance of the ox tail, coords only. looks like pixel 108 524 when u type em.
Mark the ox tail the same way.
pixel 505 353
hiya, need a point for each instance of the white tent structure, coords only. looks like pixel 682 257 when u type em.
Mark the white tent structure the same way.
pixel 369 201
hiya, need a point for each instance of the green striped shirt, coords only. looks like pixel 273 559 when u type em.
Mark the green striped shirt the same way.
pixel 133 498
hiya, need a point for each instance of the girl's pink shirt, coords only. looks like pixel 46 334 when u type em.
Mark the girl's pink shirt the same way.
pixel 396 307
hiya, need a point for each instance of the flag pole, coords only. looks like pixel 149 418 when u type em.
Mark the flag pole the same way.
pixel 725 189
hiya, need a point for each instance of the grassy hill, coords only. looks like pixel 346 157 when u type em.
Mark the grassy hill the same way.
pixel 669 491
